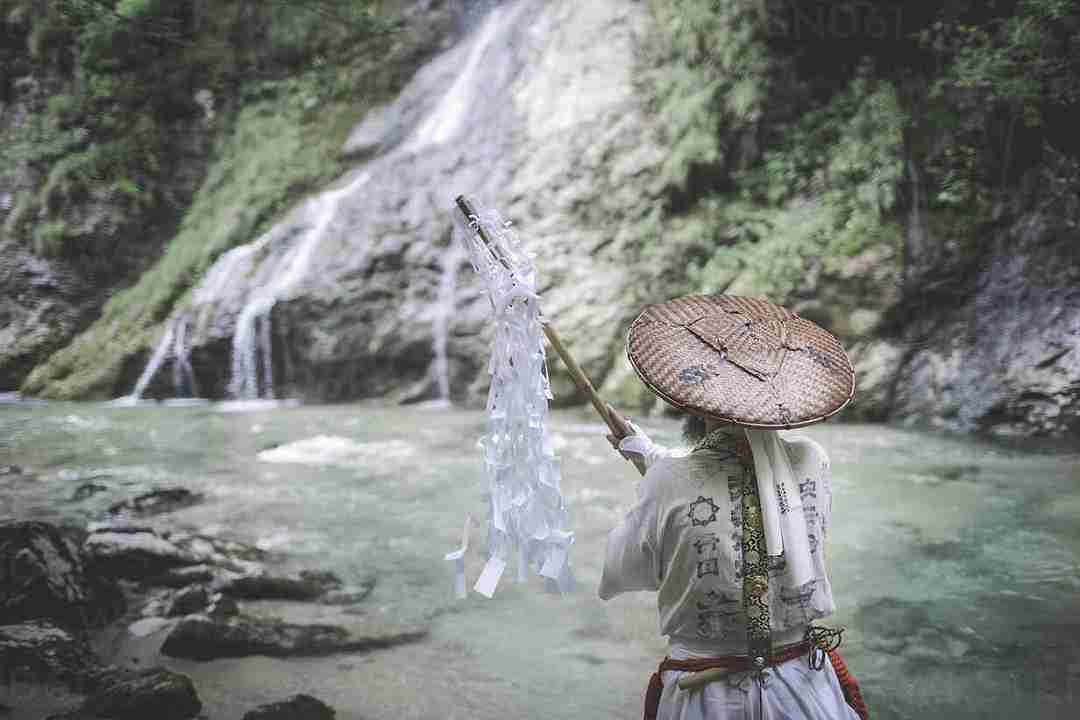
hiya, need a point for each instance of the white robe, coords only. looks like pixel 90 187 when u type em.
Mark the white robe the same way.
pixel 682 539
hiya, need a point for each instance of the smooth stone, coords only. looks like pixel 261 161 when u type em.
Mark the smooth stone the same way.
pixel 297 707
pixel 308 586
pixel 156 502
pixel 198 637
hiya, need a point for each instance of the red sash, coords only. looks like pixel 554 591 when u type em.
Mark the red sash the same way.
pixel 743 663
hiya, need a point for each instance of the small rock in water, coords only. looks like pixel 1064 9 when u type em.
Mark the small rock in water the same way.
pixel 10 470
pixel 298 707
pixel 183 576
pixel 308 586
pixel 198 637
pixel 199 599
pixel 87 490
pixel 350 595
pixel 155 502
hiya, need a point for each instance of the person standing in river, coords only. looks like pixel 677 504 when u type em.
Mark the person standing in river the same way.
pixel 731 536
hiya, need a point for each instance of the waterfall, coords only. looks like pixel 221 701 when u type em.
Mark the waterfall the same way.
pixel 160 355
pixel 444 312
pixel 448 117
pixel 251 345
pixel 183 373
pixel 254 277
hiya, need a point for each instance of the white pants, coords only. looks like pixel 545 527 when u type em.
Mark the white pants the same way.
pixel 791 691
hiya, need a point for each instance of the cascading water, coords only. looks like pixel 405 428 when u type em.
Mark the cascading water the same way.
pixel 251 347
pixel 444 311
pixel 157 359
pixel 236 297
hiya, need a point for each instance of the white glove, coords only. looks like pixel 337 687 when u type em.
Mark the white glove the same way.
pixel 640 444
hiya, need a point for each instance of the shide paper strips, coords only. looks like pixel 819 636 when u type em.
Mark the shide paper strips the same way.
pixel 527 515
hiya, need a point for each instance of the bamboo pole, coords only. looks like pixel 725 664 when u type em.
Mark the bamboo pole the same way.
pixel 615 422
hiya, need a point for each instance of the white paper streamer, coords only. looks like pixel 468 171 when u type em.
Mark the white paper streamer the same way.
pixel 527 509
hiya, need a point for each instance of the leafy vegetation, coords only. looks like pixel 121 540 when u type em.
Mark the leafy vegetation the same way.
pixel 800 129
pixel 131 75
pixel 281 139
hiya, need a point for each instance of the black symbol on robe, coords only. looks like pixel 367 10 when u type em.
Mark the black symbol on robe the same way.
pixel 812 539
pixel 715 623
pixel 702 511
pixel 706 544
pixel 714 599
pixel 782 498
pixel 708 567
pixel 799 596
pixel 734 488
pixel 808 488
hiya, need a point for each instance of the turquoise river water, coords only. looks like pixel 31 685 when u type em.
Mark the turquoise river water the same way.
pixel 955 563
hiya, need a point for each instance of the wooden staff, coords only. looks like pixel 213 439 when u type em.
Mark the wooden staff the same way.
pixel 619 427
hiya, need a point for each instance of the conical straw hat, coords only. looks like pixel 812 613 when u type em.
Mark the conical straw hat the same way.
pixel 740 359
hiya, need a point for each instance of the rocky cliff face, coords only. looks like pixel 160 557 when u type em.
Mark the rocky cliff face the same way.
pixel 50 293
pixel 344 298
pixel 997 351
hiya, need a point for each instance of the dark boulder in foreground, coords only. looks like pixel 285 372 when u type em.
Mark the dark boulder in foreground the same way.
pixel 298 707
pixel 308 586
pixel 157 501
pixel 198 637
pixel 44 575
pixel 152 693
pixel 39 650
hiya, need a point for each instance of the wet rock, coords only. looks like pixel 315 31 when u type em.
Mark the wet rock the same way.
pixel 155 692
pixel 156 502
pixel 952 473
pixel 135 555
pixel 298 707
pixel 349 595
pixel 39 650
pixel 10 470
pixel 43 575
pixel 183 576
pixel 200 599
pixel 87 490
pixel 197 637
pixel 308 586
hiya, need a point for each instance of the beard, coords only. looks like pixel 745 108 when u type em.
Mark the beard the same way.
pixel 693 429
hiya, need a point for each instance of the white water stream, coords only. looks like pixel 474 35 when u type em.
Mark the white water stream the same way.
pixel 251 346
pixel 272 275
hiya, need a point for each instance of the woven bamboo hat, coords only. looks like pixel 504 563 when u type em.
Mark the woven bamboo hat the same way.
pixel 741 360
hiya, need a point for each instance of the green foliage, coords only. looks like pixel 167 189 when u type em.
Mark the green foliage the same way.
pixel 279 146
pixel 131 68
pixel 711 81
pixel 1008 88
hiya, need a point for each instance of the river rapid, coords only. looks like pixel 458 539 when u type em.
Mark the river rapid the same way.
pixel 954 562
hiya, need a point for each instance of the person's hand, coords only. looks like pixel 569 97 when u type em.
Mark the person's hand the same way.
pixel 634 445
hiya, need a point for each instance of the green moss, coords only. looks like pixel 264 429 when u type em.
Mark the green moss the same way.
pixel 260 168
